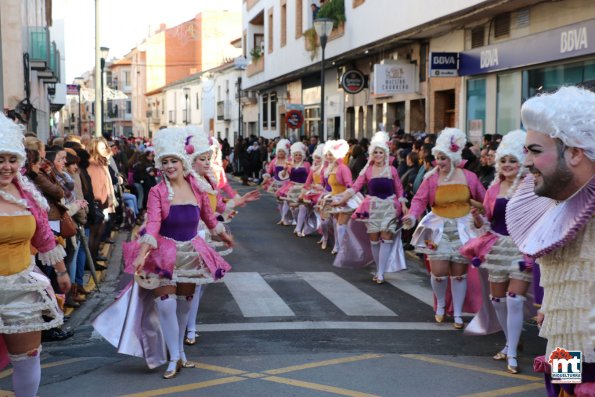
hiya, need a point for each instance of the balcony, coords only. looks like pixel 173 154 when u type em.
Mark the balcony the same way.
pixel 256 66
pixel 39 47
pixel 224 110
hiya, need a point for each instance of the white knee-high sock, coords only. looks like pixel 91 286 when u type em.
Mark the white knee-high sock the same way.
pixel 458 286
pixel 301 217
pixel 26 373
pixel 166 308
pixel 383 257
pixel 340 234
pixel 193 314
pixel 515 304
pixel 439 286
pixel 499 305
pixel 182 310
pixel 375 246
pixel 325 226
pixel 284 212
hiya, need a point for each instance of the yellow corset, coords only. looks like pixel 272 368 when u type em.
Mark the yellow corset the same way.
pixel 336 187
pixel 316 178
pixel 452 201
pixel 213 201
pixel 15 243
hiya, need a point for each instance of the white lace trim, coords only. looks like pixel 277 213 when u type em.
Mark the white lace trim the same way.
pixel 218 229
pixel 204 185
pixel 16 213
pixel 148 239
pixel 53 256
pixel 21 202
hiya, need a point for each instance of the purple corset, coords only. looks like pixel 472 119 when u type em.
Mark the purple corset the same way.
pixel 181 223
pixel 499 218
pixel 327 187
pixel 298 175
pixel 381 187
pixel 278 169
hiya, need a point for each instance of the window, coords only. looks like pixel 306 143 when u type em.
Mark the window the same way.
pixel 127 78
pixel 270 29
pixel 299 18
pixel 537 81
pixel 508 103
pixel 476 109
pixel 197 99
pixel 273 101
pixel 283 23
pixel 128 106
pixel 502 25
pixel 477 37
pixel 265 112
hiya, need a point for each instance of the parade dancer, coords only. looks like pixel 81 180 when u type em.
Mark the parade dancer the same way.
pixel 25 293
pixel 449 190
pixel 310 195
pixel 551 218
pixel 296 172
pixel 383 206
pixel 271 179
pixel 200 152
pixel 509 274
pixel 338 176
pixel 170 258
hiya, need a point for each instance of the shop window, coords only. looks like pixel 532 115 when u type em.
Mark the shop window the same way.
pixel 476 109
pixel 477 37
pixel 502 25
pixel 548 79
pixel 507 103
pixel 265 112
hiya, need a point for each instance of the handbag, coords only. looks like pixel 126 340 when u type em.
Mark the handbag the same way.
pixel 96 211
pixel 67 226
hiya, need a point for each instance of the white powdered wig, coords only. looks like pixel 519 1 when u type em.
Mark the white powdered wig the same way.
pixel 513 144
pixel 197 142
pixel 171 142
pixel 299 147
pixel 568 115
pixel 450 142
pixel 338 148
pixel 283 146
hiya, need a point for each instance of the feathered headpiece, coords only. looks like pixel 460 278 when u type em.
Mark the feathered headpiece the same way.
pixel 338 148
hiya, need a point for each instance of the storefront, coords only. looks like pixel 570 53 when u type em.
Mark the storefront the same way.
pixel 502 76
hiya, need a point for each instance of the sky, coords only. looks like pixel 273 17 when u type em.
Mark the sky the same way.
pixel 123 25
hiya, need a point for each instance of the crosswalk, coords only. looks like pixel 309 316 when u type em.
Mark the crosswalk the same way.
pixel 256 298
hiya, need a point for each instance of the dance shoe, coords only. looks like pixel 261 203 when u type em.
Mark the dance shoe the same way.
pixel 186 364
pixel 513 369
pixel 172 374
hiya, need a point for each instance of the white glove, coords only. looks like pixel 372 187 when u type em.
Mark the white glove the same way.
pixel 408 222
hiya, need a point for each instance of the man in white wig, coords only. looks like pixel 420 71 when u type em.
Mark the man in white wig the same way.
pixel 551 218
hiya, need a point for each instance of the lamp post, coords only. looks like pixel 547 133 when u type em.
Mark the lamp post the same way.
pixel 240 64
pixel 187 96
pixel 79 82
pixel 104 54
pixel 323 27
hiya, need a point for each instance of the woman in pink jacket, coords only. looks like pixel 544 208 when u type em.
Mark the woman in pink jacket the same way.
pixel 25 294
pixel 295 173
pixel 384 204
pixel 509 273
pixel 272 180
pixel 337 177
pixel 171 258
pixel 309 196
pixel 449 190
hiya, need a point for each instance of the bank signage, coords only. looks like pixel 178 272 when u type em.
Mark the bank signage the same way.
pixel 394 78
pixel 353 81
pixel 566 42
pixel 444 64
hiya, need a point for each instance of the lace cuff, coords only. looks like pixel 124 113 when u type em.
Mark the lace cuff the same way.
pixel 403 200
pixel 480 231
pixel 218 229
pixel 231 204
pixel 148 239
pixel 53 256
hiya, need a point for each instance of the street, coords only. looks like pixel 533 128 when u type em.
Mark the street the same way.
pixel 285 322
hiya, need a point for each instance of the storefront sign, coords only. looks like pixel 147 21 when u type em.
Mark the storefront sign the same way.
pixel 353 81
pixel 566 42
pixel 394 78
pixel 444 64
pixel 294 119
pixel 72 89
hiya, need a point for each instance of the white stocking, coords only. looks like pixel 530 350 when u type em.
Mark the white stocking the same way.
pixel 193 314
pixel 26 373
pixel 182 310
pixel 375 246
pixel 340 235
pixel 301 217
pixel 383 257
pixel 439 286
pixel 325 226
pixel 284 213
pixel 458 286
pixel 515 304
pixel 166 308
pixel 499 305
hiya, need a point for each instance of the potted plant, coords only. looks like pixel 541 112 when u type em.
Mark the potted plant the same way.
pixel 333 9
pixel 256 53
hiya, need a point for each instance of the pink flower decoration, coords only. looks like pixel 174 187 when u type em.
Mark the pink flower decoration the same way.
pixel 189 149
pixel 453 146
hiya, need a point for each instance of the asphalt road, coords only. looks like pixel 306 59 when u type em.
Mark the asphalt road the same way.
pixel 287 323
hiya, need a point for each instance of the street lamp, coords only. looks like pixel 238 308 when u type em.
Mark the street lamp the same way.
pixel 187 96
pixel 240 64
pixel 104 53
pixel 79 82
pixel 323 27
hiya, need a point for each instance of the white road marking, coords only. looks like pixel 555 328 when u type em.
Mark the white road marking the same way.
pixel 254 295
